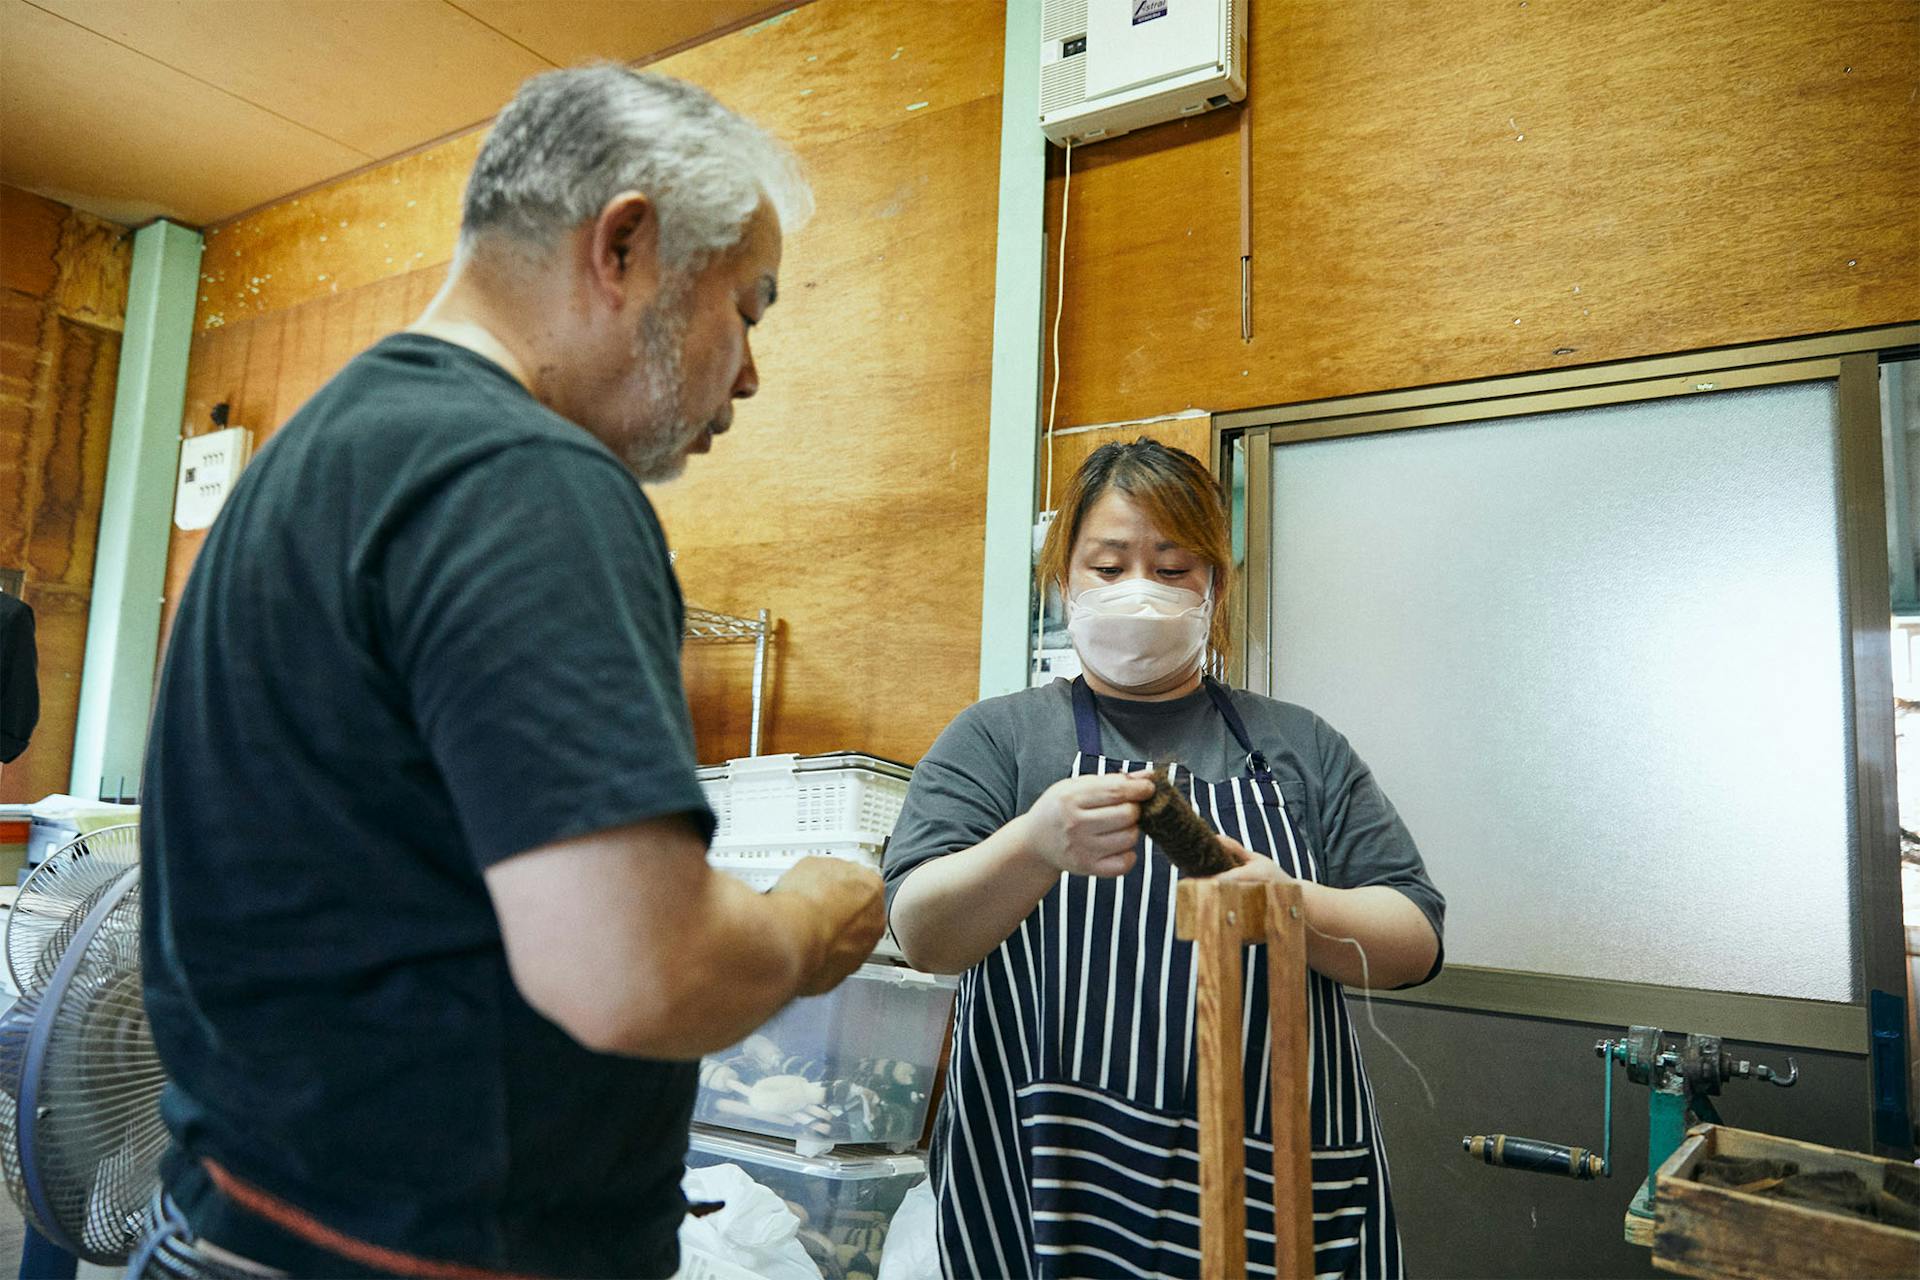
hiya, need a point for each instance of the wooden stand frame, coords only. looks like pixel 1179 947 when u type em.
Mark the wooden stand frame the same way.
pixel 1220 919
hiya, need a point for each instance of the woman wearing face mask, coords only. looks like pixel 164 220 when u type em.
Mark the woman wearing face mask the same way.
pixel 1066 1143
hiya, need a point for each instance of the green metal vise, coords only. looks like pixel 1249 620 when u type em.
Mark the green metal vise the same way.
pixel 1682 1079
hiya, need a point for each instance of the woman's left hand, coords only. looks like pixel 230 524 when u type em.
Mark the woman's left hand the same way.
pixel 1253 868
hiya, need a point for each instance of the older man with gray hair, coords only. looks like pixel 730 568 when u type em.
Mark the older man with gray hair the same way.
pixel 432 943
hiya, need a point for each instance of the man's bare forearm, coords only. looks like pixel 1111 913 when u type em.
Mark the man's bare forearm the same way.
pixel 633 945
pixel 742 957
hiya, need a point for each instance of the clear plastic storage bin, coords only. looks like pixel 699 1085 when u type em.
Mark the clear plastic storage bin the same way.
pixel 856 1065
pixel 845 1201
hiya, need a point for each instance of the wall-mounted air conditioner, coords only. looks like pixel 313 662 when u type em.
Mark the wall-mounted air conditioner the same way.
pixel 1108 67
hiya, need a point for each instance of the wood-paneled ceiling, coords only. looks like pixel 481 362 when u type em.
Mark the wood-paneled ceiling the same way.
pixel 196 110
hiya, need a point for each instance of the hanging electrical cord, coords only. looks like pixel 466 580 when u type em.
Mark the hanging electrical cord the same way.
pixel 1059 308
pixel 1053 398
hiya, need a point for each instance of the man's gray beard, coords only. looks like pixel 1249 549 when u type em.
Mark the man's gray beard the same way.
pixel 656 449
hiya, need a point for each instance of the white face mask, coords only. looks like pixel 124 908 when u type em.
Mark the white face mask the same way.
pixel 1138 634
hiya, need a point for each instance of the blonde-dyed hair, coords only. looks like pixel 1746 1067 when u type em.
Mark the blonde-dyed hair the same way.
pixel 1173 489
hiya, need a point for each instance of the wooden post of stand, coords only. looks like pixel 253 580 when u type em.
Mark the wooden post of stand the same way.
pixel 1292 1128
pixel 1220 919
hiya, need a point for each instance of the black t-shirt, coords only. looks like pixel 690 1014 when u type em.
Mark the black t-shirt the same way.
pixel 434 627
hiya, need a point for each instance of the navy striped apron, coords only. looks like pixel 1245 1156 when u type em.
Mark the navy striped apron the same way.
pixel 1067 1145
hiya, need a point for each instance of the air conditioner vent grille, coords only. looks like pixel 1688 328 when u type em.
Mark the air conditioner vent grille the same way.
pixel 1063 83
pixel 1063 19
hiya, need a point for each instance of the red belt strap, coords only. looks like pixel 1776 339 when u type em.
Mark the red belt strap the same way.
pixel 298 1222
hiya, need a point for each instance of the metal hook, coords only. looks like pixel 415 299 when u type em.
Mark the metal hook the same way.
pixel 1773 1077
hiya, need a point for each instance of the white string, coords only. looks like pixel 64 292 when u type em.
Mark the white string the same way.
pixel 1059 309
pixel 1366 994
pixel 1053 399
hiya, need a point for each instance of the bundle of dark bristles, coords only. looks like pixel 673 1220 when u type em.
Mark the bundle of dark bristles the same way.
pixel 1169 820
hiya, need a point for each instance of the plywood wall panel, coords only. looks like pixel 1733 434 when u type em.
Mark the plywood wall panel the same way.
pixel 864 455
pixel 874 655
pixel 819 74
pixel 77 425
pixel 850 497
pixel 256 406
pixel 824 72
pixel 1446 191
pixel 62 305
pixel 872 391
pixel 566 32
pixel 269 362
pixel 1195 435
pixel 305 364
pixel 1152 288
pixel 22 322
pixel 209 365
pixel 30 229
pixel 390 220
pixel 216 374
pixel 95 258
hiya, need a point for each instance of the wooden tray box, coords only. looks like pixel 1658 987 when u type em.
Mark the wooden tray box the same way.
pixel 1710 1231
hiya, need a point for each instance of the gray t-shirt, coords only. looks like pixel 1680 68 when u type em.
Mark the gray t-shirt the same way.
pixel 997 756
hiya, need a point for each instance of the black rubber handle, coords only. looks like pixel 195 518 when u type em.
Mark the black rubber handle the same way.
pixel 1532 1155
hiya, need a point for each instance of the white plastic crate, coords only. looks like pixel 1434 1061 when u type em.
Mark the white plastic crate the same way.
pixel 856 1065
pixel 844 798
pixel 762 865
pixel 845 1202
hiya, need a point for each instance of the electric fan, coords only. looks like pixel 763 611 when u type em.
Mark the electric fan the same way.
pixel 56 897
pixel 80 1129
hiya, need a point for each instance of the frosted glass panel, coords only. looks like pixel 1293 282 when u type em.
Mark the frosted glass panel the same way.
pixel 1595 658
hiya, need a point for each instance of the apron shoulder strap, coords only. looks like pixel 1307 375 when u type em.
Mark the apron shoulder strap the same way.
pixel 1086 723
pixel 1256 761
pixel 1086 718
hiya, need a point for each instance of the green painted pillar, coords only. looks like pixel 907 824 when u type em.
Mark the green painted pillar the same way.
pixel 1013 438
pixel 130 565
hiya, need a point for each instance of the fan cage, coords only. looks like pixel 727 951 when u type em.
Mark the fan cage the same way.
pixel 80 1084
pixel 58 895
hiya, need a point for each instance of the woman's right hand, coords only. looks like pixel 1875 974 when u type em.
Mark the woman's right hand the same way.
pixel 1089 825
